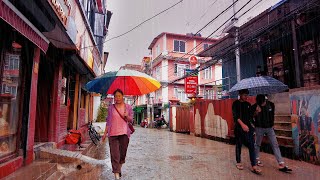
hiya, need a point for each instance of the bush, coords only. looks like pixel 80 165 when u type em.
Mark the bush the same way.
pixel 102 114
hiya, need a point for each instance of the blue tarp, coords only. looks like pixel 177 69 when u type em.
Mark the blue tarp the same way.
pixel 277 5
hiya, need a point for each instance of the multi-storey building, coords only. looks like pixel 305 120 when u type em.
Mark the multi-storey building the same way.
pixel 170 55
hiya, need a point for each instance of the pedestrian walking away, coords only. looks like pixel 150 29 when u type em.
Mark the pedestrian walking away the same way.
pixel 118 131
pixel 263 113
pixel 241 110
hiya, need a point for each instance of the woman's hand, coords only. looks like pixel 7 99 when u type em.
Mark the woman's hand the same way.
pixel 105 134
pixel 104 137
pixel 245 128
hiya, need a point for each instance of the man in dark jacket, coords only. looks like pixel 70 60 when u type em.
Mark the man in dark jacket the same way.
pixel 263 113
pixel 241 110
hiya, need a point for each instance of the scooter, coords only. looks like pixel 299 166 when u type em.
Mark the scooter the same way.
pixel 159 123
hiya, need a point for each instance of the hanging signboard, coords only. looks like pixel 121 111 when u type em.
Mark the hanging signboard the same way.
pixel 193 60
pixel 191 82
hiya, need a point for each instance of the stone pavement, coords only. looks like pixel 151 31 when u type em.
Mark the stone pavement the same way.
pixel 160 154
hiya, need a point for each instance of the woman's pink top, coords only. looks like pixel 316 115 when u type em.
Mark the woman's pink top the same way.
pixel 116 125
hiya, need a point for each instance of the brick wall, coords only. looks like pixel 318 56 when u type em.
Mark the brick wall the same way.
pixel 63 122
pixel 81 117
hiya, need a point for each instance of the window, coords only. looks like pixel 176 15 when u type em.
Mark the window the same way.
pixel 9 90
pixel 158 50
pixel 130 101
pixel 99 24
pixel 89 8
pixel 205 46
pixel 9 102
pixel 12 62
pixel 208 94
pixel 179 46
pixel 63 99
pixel 179 69
pixel 158 75
pixel 208 73
pixel 157 96
pixel 179 93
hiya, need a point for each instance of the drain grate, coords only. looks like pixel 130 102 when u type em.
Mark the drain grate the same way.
pixel 179 157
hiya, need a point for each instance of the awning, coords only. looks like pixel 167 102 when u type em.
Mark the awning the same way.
pixel 75 61
pixel 17 20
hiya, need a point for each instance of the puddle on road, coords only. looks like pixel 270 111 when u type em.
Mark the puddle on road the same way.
pixel 180 157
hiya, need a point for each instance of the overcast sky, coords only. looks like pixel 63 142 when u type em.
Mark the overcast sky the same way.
pixel 187 17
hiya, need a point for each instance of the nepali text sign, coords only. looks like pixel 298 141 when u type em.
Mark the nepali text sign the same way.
pixel 191 81
pixel 62 8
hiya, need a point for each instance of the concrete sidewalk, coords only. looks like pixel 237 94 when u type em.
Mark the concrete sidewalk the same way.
pixel 160 154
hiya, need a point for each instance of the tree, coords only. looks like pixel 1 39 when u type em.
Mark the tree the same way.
pixel 102 114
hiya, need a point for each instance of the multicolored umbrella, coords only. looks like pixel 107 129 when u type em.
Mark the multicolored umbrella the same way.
pixel 260 85
pixel 129 81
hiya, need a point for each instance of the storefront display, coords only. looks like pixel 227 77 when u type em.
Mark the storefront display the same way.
pixel 310 63
pixel 275 66
pixel 10 72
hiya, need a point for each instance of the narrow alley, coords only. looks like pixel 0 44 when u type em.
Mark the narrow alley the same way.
pixel 161 154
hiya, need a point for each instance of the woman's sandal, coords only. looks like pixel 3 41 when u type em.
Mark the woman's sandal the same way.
pixel 239 166
pixel 259 163
pixel 256 171
pixel 285 169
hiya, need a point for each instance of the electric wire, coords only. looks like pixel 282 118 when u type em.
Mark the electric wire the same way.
pixel 178 79
pixel 205 26
pixel 137 26
pixel 229 49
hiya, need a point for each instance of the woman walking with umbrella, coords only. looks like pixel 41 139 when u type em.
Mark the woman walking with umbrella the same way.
pixel 130 83
pixel 119 115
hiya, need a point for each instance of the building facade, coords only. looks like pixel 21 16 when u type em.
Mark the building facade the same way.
pixel 282 42
pixel 169 59
pixel 49 50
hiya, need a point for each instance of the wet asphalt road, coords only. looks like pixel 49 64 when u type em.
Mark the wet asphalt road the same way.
pixel 161 154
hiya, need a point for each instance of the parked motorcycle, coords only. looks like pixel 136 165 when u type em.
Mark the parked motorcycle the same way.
pixel 160 122
pixel 144 123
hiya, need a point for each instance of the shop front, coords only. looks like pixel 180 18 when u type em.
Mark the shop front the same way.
pixel 21 46
pixel 140 113
pixel 304 101
pixel 308 39
pixel 11 97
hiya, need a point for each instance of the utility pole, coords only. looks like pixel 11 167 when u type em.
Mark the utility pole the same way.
pixel 295 53
pixel 237 54
pixel 148 70
pixel 237 50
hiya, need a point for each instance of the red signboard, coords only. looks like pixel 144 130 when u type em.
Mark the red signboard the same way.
pixel 193 60
pixel 191 84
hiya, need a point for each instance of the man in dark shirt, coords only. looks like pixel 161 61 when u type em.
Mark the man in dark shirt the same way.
pixel 241 110
pixel 263 113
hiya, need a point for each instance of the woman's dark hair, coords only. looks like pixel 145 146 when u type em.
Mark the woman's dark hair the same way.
pixel 260 99
pixel 119 91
